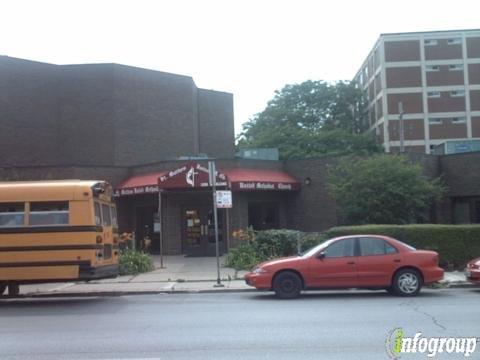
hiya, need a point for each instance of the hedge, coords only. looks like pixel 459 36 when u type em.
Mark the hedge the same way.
pixel 456 244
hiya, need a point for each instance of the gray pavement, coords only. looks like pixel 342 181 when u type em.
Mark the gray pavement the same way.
pixel 180 274
pixel 320 325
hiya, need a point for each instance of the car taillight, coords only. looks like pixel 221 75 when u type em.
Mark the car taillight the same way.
pixel 99 239
pixel 474 266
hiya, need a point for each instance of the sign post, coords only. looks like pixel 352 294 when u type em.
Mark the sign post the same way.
pixel 224 199
pixel 212 177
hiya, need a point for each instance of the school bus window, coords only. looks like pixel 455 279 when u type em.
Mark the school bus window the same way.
pixel 12 215
pixel 48 213
pixel 98 214
pixel 106 218
pixel 114 216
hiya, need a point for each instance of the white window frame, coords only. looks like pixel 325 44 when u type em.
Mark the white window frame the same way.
pixel 430 68
pixel 435 121
pixel 454 41
pixel 433 94
pixel 457 93
pixel 455 67
pixel 459 120
pixel 431 42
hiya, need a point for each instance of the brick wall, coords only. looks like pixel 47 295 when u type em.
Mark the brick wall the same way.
pixel 107 114
pixel 216 128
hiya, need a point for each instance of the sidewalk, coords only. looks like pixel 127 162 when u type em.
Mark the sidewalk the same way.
pixel 179 275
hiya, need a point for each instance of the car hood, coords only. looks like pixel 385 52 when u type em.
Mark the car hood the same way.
pixel 279 262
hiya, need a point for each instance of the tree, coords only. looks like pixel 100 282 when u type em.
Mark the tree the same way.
pixel 299 118
pixel 381 189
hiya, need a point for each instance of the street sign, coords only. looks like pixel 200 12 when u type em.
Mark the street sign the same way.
pixel 224 199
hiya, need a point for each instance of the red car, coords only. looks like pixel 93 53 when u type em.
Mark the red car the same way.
pixel 360 261
pixel 472 271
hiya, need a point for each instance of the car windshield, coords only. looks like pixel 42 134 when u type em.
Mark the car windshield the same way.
pixel 317 248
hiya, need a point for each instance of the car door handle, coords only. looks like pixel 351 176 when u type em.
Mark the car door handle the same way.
pixel 351 263
pixel 397 260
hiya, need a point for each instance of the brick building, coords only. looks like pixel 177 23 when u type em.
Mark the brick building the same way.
pixel 116 115
pixel 436 75
pixel 145 132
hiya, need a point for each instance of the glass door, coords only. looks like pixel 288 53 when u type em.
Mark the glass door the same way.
pixel 193 231
pixel 199 231
pixel 210 221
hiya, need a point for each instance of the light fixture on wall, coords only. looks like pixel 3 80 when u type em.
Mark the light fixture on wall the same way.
pixel 307 181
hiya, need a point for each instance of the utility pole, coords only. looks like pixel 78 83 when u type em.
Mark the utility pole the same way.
pixel 212 175
pixel 401 127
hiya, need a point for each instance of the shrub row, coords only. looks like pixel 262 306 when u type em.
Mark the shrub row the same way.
pixel 456 244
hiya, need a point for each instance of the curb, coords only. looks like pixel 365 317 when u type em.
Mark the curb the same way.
pixel 122 293
pixel 463 285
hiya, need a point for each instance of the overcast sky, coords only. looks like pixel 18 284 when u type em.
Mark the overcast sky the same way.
pixel 248 48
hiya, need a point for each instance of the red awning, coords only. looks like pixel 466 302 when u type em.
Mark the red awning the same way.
pixel 194 176
pixel 140 184
pixel 260 179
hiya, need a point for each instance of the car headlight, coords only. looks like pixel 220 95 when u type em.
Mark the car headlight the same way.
pixel 259 270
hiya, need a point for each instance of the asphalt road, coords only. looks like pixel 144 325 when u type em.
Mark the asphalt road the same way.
pixel 323 325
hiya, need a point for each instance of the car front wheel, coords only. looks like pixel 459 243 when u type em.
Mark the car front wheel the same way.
pixel 287 285
pixel 407 282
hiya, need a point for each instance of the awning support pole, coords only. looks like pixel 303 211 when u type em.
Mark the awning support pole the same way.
pixel 160 233
pixel 212 175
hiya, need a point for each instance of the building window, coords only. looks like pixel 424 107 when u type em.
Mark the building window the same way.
pixel 435 121
pixel 457 93
pixel 459 120
pixel 454 41
pixel 455 67
pixel 431 42
pixel 433 68
pixel 263 215
pixel 433 94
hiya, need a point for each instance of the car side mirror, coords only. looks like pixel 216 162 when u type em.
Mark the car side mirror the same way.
pixel 321 255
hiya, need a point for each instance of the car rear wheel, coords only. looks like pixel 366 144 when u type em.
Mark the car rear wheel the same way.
pixel 407 282
pixel 3 286
pixel 287 285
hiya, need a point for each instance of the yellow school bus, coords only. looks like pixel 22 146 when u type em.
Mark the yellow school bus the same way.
pixel 52 231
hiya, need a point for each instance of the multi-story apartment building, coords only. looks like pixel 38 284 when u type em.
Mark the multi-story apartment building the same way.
pixel 435 76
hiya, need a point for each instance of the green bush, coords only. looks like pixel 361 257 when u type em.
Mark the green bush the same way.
pixel 134 262
pixel 243 257
pixel 456 244
pixel 260 246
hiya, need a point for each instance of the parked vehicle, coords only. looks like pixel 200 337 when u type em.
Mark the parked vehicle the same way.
pixel 360 261
pixel 54 231
pixel 472 271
